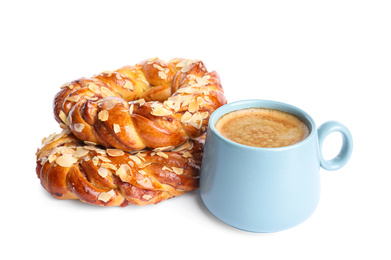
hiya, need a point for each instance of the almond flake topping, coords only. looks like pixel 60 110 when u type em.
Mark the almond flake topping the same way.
pixel 163 149
pixel 186 117
pixel 63 116
pixel 178 171
pixel 73 99
pixel 161 154
pixel 187 154
pixel 94 88
pixel 131 109
pixel 67 85
pixel 147 197
pixel 186 65
pixel 106 196
pixel 193 106
pixel 43 160
pixel 187 145
pixel 162 75
pixel 78 127
pixel 107 92
pixel 103 172
pixel 90 147
pixel 122 173
pixel 165 168
pixel 128 85
pixel 109 166
pixel 117 128
pixel 151 60
pixel 95 160
pixel 134 158
pixel 145 183
pixel 80 152
pixel 140 101
pixel 104 159
pixel 66 160
pixel 103 115
pixel 90 143
pixel 52 158
pixel 161 112
pixel 115 152
pixel 142 172
pixel 108 72
pixel 109 104
pixel 196 120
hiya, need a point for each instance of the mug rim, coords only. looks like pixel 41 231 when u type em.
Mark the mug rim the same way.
pixel 241 104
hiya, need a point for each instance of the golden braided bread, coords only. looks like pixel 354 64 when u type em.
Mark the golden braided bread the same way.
pixel 152 104
pixel 70 169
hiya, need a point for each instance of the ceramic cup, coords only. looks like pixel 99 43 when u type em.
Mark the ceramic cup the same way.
pixel 266 189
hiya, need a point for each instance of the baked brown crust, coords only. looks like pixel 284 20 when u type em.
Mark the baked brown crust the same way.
pixel 70 169
pixel 152 104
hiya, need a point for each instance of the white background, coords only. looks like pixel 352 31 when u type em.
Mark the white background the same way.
pixel 330 58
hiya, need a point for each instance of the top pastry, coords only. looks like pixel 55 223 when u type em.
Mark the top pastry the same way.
pixel 152 104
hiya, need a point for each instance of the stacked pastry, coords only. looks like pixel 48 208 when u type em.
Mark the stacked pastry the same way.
pixel 130 136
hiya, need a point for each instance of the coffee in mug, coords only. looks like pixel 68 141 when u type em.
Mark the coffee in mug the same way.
pixel 262 127
pixel 261 189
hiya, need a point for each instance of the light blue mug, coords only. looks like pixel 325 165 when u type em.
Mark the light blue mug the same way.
pixel 266 189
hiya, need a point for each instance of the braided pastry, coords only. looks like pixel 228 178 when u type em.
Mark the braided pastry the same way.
pixel 152 104
pixel 70 169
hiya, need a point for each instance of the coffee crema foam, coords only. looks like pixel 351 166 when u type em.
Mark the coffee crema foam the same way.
pixel 262 127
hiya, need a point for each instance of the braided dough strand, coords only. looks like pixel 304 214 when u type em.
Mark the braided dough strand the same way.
pixel 70 169
pixel 152 104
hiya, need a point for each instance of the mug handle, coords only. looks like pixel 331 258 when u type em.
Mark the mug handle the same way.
pixel 347 145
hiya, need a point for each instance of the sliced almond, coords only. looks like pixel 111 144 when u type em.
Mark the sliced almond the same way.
pixel 131 109
pixel 134 158
pixel 142 172
pixel 187 154
pixel 123 173
pixel 161 112
pixel 115 152
pixel 103 172
pixel 147 197
pixel 94 88
pixel 140 101
pixel 80 152
pixel 161 154
pixel 178 171
pixel 106 196
pixel 128 85
pixel 145 183
pixel 107 92
pixel 109 166
pixel 165 168
pixel 162 75
pixel 196 120
pixel 103 115
pixel 52 158
pixel 73 98
pixel 117 128
pixel 110 103
pixel 104 159
pixel 193 106
pixel 66 160
pixel 63 116
pixel 186 117
pixel 207 99
pixel 90 143
pixel 78 127
pixel 95 160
